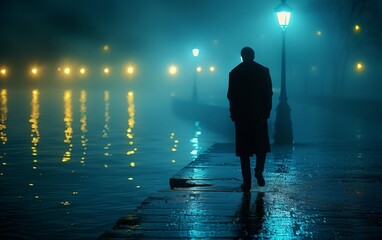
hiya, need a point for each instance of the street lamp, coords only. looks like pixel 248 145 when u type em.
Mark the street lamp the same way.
pixel 195 52
pixel 283 125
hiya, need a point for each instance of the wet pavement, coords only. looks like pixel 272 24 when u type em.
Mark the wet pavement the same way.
pixel 313 191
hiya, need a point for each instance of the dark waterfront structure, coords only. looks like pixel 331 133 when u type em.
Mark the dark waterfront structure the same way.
pixel 283 125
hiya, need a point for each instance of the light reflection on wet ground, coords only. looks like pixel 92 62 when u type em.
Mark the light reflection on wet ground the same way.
pixel 313 191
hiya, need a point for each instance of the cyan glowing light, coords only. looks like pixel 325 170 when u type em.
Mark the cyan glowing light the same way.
pixel 195 52
pixel 283 14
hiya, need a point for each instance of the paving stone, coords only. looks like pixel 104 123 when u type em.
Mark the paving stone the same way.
pixel 317 191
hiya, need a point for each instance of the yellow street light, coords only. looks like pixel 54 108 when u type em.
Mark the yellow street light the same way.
pixel 106 70
pixel 67 70
pixel 199 69
pixel 212 68
pixel 34 71
pixel 359 67
pixel 3 72
pixel 173 70
pixel 357 28
pixel 82 71
pixel 130 70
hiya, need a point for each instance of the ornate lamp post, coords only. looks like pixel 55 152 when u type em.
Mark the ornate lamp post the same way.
pixel 283 125
pixel 195 52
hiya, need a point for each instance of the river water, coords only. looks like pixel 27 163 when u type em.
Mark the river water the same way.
pixel 75 160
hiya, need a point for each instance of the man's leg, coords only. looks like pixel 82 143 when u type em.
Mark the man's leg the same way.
pixel 246 171
pixel 259 169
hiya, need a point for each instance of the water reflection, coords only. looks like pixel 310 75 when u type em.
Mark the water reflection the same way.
pixel 195 141
pixel 131 124
pixel 83 120
pixel 129 131
pixel 250 219
pixel 35 133
pixel 174 146
pixel 3 126
pixel 106 128
pixel 68 120
pixel 3 116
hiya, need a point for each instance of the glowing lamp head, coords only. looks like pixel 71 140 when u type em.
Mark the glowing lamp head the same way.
pixel 212 69
pixel 130 70
pixel 34 71
pixel 357 28
pixel 283 14
pixel 82 71
pixel 173 70
pixel 199 69
pixel 67 70
pixel 359 67
pixel 3 72
pixel 106 70
pixel 195 52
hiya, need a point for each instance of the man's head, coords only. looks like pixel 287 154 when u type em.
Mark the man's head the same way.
pixel 247 54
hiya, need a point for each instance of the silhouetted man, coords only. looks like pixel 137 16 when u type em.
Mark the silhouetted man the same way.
pixel 250 97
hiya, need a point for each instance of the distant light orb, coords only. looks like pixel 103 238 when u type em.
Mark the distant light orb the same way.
pixel 318 33
pixel 359 67
pixel 130 70
pixel 357 28
pixel 212 68
pixel 173 70
pixel 199 69
pixel 3 72
pixel 59 69
pixel 82 71
pixel 106 48
pixel 34 71
pixel 195 52
pixel 106 70
pixel 67 70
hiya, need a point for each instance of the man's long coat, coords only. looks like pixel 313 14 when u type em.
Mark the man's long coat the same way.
pixel 250 98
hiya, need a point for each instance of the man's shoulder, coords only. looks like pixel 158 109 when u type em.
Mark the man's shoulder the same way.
pixel 258 65
pixel 245 66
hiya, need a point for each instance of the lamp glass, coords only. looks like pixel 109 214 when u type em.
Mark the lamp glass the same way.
pixel 283 18
pixel 195 52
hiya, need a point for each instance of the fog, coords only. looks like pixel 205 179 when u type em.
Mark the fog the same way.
pixel 333 48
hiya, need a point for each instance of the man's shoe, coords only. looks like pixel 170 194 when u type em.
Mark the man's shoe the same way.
pixel 245 187
pixel 260 180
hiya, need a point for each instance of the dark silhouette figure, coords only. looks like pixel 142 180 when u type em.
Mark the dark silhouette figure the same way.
pixel 250 219
pixel 250 98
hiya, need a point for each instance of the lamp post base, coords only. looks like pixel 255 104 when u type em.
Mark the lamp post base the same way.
pixel 283 125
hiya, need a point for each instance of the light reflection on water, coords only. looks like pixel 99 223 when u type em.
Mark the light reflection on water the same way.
pixel 68 119
pixel 84 129
pixel 3 126
pixel 63 135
